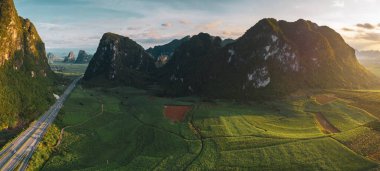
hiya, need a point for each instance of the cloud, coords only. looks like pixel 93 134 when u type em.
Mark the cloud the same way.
pixel 133 28
pixel 186 22
pixel 370 36
pixel 167 25
pixel 347 29
pixel 149 34
pixel 143 19
pixel 338 3
pixel 52 26
pixel 366 26
pixel 211 25
pixel 231 34
pixel 89 38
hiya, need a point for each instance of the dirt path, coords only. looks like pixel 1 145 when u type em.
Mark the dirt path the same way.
pixel 71 126
pixel 201 138
pixel 325 124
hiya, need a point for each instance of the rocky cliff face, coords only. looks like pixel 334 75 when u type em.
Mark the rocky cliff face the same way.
pixel 83 57
pixel 120 59
pixel 272 58
pixel 50 57
pixel 187 71
pixel 225 42
pixel 25 77
pixel 163 53
pixel 19 38
pixel 277 57
pixel 70 58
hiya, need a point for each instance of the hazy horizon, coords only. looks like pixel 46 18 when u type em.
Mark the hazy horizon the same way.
pixel 79 24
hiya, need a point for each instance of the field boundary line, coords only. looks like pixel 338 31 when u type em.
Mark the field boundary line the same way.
pixel 72 126
pixel 364 157
pixel 365 111
pixel 201 138
pixel 273 145
pixel 161 129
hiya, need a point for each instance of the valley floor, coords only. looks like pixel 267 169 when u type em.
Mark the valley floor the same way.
pixel 126 129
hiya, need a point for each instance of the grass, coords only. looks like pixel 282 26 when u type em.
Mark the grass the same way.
pixel 153 145
pixel 275 119
pixel 44 149
pixel 342 115
pixel 364 140
pixel 133 134
pixel 368 100
pixel 71 69
pixel 315 154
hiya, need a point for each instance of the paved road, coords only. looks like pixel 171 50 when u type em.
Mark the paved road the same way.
pixel 17 153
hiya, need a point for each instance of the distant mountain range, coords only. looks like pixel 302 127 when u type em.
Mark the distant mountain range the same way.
pixel 82 58
pixel 70 58
pixel 53 58
pixel 167 49
pixel 26 81
pixel 368 54
pixel 272 58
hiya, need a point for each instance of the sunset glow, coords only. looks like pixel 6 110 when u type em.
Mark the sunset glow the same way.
pixel 61 22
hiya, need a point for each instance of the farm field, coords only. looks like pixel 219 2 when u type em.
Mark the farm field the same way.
pixel 70 69
pixel 126 129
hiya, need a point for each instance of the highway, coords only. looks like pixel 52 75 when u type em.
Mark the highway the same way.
pixel 17 153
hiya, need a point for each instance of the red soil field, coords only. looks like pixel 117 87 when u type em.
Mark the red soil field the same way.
pixel 324 98
pixel 176 113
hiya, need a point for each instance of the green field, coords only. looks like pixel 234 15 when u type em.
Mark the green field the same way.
pixel 131 133
pixel 70 69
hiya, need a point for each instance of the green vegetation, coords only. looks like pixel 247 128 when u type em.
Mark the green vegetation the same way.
pixel 45 148
pixel 22 97
pixel 315 154
pixel 367 100
pixel 26 82
pixel 70 69
pixel 99 128
pixel 364 140
pixel 125 129
pixel 342 115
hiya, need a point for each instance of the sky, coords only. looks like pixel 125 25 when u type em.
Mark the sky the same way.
pixel 66 25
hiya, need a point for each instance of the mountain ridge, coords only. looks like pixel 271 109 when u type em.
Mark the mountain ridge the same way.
pixel 167 49
pixel 274 57
pixel 83 57
pixel 120 59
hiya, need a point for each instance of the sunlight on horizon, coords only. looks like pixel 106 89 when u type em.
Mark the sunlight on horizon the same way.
pixel 81 23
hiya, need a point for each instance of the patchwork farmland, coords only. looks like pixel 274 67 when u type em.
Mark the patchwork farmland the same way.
pixel 285 134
